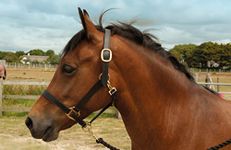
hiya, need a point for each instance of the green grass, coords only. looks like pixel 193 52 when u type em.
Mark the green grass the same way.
pixel 17 105
pixel 23 90
pixel 14 114
pixel 18 102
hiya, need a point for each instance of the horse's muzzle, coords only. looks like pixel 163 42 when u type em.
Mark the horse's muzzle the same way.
pixel 41 130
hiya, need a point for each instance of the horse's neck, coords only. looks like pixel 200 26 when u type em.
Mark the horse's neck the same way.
pixel 151 94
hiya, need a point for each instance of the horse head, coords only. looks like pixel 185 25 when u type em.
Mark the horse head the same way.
pixel 80 70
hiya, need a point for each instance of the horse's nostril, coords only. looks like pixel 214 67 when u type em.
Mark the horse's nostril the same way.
pixel 29 123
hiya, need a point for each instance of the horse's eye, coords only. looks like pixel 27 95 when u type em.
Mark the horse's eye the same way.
pixel 67 69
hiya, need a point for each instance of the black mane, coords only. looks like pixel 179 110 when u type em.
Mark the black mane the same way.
pixel 130 32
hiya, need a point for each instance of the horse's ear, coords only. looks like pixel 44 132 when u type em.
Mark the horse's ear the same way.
pixel 88 25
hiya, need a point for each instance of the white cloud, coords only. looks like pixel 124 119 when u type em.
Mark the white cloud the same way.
pixel 28 24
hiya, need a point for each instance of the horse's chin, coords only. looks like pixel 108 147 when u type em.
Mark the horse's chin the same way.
pixel 50 135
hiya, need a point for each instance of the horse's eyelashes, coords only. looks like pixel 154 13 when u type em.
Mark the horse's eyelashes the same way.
pixel 69 70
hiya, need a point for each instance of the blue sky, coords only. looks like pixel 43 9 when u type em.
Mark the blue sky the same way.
pixel 44 24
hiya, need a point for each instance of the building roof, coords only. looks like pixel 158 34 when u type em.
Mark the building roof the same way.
pixel 34 58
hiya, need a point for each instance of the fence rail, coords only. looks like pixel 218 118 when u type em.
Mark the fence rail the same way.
pixel 219 84
pixel 25 83
pixel 20 65
pixel 27 97
pixel 2 83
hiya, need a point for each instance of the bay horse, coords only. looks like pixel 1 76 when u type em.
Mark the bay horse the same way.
pixel 161 105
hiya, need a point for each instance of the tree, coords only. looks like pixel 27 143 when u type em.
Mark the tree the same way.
pixel 184 53
pixel 50 53
pixel 54 59
pixel 38 52
pixel 20 53
pixel 11 57
pixel 198 56
pixel 2 55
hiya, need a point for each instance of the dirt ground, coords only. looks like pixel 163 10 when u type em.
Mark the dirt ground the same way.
pixel 30 74
pixel 15 136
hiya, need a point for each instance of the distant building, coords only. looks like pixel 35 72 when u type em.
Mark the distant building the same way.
pixel 28 59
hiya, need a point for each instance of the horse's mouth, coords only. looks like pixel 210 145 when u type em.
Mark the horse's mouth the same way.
pixel 50 134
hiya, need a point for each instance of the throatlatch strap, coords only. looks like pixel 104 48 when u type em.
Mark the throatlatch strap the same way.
pixel 96 116
pixel 105 108
pixel 89 94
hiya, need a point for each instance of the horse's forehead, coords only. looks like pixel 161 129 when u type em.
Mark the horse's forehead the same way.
pixel 74 56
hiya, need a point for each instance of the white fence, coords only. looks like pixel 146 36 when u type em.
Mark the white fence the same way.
pixel 20 65
pixel 218 85
pixel 33 97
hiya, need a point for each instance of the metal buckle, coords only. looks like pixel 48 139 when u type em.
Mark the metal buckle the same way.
pixel 74 112
pixel 105 50
pixel 112 91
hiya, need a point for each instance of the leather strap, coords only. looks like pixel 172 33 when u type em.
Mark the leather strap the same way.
pixel 77 107
pixel 107 38
pixel 55 101
pixel 65 109
pixel 89 94
pixel 106 107
pixel 105 65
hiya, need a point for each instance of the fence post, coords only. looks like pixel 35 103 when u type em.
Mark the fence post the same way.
pixel 1 97
pixel 218 87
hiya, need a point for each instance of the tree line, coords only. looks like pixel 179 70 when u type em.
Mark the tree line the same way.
pixel 205 55
pixel 17 56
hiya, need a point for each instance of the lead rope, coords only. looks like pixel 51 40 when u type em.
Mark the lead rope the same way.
pixel 219 146
pixel 101 141
pixel 88 129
